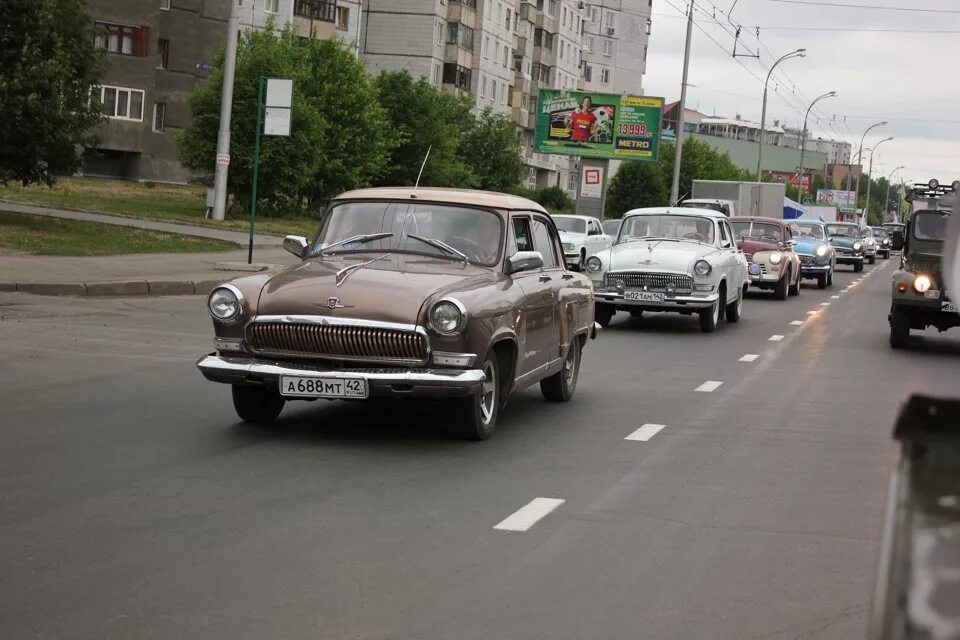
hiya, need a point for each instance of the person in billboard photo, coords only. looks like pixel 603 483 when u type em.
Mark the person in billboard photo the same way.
pixel 582 123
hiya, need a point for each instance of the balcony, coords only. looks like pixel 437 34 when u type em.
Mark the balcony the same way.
pixel 464 11
pixel 322 10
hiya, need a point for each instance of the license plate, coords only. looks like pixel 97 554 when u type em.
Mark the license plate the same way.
pixel 318 387
pixel 932 294
pixel 643 296
pixel 950 307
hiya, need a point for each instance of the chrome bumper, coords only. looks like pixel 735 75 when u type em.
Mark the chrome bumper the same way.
pixel 849 259
pixel 674 302
pixel 381 381
pixel 768 278
pixel 814 268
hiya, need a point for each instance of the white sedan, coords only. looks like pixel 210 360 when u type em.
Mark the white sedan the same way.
pixel 681 260
pixel 582 237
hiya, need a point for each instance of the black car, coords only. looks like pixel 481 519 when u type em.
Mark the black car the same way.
pixel 895 231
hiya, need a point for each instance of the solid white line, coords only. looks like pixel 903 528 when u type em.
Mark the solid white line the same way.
pixel 645 432
pixel 775 338
pixel 709 386
pixel 528 515
pixel 750 357
pixel 797 323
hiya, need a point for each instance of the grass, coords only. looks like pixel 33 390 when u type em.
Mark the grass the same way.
pixel 144 200
pixel 40 235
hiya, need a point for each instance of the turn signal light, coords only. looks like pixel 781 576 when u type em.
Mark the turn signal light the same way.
pixel 902 287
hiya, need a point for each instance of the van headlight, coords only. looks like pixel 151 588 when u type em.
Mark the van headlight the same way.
pixel 225 303
pixel 448 317
pixel 702 268
pixel 922 284
pixel 594 264
pixel 776 257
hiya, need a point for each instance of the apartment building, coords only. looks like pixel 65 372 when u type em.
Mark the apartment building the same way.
pixel 616 36
pixel 838 151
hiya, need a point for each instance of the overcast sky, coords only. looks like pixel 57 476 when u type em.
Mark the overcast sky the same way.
pixel 910 79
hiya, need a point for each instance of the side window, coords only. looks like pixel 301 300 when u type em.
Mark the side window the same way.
pixel 543 242
pixel 724 237
pixel 520 236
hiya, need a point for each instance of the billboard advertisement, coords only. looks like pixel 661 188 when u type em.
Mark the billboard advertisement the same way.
pixel 791 177
pixel 836 198
pixel 598 125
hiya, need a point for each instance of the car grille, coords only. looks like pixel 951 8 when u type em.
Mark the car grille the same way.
pixel 924 265
pixel 806 260
pixel 339 342
pixel 843 251
pixel 652 281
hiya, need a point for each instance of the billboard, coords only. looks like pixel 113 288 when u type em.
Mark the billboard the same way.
pixel 598 125
pixel 791 177
pixel 836 198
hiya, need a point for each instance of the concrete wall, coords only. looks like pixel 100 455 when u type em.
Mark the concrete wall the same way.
pixel 744 155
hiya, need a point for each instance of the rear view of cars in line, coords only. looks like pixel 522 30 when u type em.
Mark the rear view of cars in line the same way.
pixel 768 246
pixel 817 259
pixel 581 237
pixel 680 260
pixel 848 243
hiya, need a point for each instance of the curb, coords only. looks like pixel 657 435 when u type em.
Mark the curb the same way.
pixel 118 288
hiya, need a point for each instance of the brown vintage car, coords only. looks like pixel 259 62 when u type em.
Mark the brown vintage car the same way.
pixel 435 293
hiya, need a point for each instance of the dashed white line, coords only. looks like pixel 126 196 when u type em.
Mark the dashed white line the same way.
pixel 750 357
pixel 775 338
pixel 709 386
pixel 528 515
pixel 796 323
pixel 645 432
pixel 824 304
pixel 835 297
pixel 812 313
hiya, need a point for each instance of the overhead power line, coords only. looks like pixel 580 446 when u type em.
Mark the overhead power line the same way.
pixel 836 29
pixel 866 6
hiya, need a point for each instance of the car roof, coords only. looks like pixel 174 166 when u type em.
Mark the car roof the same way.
pixel 776 221
pixel 570 215
pixel 808 221
pixel 490 199
pixel 845 224
pixel 680 211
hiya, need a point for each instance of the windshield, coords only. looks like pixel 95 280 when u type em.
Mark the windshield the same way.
pixel 610 227
pixel 573 225
pixel 811 231
pixel 930 225
pixel 668 226
pixel 758 230
pixel 477 233
pixel 847 231
pixel 880 233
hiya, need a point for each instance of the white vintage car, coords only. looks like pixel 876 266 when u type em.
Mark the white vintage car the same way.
pixel 671 259
pixel 582 237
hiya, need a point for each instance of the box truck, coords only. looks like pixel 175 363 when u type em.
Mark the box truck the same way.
pixel 739 198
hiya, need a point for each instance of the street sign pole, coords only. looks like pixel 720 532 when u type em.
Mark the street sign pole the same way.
pixel 256 167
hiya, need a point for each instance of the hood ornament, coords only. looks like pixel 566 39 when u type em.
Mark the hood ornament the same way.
pixel 334 303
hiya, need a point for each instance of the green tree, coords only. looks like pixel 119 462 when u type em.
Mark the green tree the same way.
pixel 491 148
pixel 48 66
pixel 340 137
pixel 555 200
pixel 424 117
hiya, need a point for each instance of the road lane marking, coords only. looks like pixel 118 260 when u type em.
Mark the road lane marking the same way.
pixel 824 304
pixel 812 313
pixel 835 297
pixel 775 338
pixel 709 386
pixel 528 515
pixel 750 357
pixel 797 323
pixel 644 433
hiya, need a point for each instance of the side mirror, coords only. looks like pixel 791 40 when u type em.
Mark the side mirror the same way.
pixel 726 244
pixel 524 261
pixel 830 240
pixel 790 244
pixel 296 245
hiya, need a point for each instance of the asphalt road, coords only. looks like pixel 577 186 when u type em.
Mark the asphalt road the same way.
pixel 133 505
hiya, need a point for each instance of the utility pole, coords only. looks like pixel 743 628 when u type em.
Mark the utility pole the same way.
pixel 226 110
pixel 803 139
pixel 856 190
pixel 678 152
pixel 866 206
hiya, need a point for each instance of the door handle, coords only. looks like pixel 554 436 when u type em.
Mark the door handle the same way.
pixel 567 276
pixel 545 278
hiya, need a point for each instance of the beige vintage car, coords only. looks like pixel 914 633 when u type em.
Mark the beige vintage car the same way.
pixel 430 293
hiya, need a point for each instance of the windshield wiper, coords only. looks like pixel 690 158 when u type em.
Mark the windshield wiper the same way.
pixel 360 239
pixel 443 246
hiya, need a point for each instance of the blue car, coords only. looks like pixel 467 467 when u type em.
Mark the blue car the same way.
pixel 817 255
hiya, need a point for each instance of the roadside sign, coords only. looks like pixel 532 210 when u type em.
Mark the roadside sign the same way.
pixel 223 158
pixel 591 182
pixel 203 66
pixel 278 107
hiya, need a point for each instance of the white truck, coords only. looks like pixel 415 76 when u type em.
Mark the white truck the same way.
pixel 734 198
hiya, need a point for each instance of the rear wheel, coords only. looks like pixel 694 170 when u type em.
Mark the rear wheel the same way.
pixel 710 317
pixel 782 289
pixel 476 415
pixel 899 328
pixel 735 308
pixel 560 386
pixel 257 404
pixel 603 314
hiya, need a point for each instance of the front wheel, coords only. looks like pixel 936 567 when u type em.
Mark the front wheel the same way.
pixel 257 404
pixel 795 288
pixel 560 386
pixel 476 415
pixel 782 291
pixel 872 259
pixel 710 317
pixel 822 281
pixel 899 328
pixel 735 308
pixel 603 314
pixel 636 313
pixel 830 278
pixel 858 267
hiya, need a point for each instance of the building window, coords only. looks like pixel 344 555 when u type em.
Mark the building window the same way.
pixel 608 48
pixel 506 56
pixel 561 47
pixel 460 35
pixel 594 14
pixel 271 6
pixel 611 19
pixel 123 39
pixel 159 116
pixel 456 75
pixel 439 32
pixel 343 18
pixel 605 76
pixel 324 10
pixel 163 53
pixel 588 73
pixel 121 103
pixel 591 43
pixel 543 39
pixel 165 5
pixel 506 23
pixel 486 47
pixel 483 86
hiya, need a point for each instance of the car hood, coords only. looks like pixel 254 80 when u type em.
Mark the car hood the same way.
pixel 808 246
pixel 657 255
pixel 387 287
pixel 844 241
pixel 752 245
pixel 571 236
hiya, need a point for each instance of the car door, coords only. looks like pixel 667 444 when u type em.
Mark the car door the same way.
pixel 537 341
pixel 601 240
pixel 732 259
pixel 790 243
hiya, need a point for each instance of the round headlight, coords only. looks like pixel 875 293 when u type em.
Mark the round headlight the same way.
pixel 224 303
pixel 921 284
pixel 447 317
pixel 822 250
pixel 857 246
pixel 594 264
pixel 776 257
pixel 702 268
pixel 871 241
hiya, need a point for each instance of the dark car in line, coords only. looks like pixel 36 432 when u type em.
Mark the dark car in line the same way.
pixel 848 243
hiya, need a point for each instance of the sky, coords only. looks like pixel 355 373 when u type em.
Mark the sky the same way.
pixel 891 72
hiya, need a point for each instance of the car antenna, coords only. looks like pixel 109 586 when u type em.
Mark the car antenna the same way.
pixel 679 200
pixel 413 194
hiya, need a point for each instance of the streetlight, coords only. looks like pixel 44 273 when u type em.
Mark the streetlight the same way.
pixel 803 139
pixel 866 205
pixel 678 145
pixel 886 203
pixel 856 191
pixel 799 53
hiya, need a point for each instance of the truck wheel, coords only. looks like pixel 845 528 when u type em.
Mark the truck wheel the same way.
pixel 710 317
pixel 476 416
pixel 560 386
pixel 822 281
pixel 899 328
pixel 257 404
pixel 603 314
pixel 782 290
pixel 795 288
